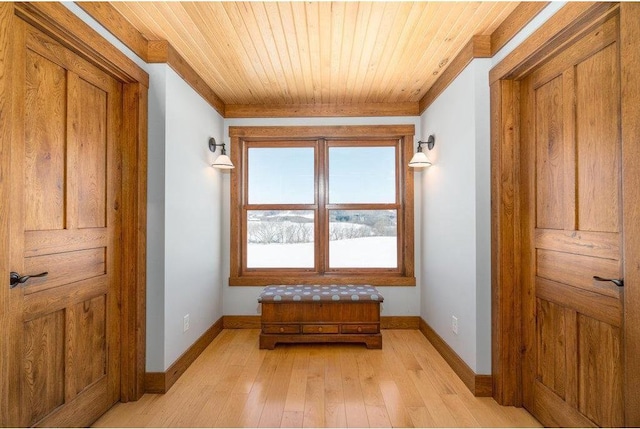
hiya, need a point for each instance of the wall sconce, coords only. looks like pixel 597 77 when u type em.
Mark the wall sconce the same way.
pixel 222 162
pixel 420 159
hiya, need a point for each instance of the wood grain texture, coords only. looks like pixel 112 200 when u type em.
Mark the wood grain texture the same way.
pixel 399 322
pixel 320 322
pixel 583 242
pixel 565 25
pixel 386 322
pixel 6 81
pixel 160 51
pixel 456 66
pixel 580 324
pixel 479 385
pixel 517 19
pixel 598 147
pixel 630 111
pixel 596 305
pixel 599 365
pixel 320 110
pixel 64 33
pixel 527 228
pixel 161 382
pixel 552 411
pixel 57 21
pixel 241 322
pixel 134 210
pixel 482 47
pixel 407 383
pixel 86 354
pixel 562 29
pixel 112 20
pixel 552 364
pixel 44 367
pixel 505 242
pixel 45 135
pixel 550 155
pixel 326 54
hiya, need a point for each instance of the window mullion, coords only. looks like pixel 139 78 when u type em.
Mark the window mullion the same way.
pixel 322 215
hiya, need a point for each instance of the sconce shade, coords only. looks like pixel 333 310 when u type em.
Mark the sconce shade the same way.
pixel 223 162
pixel 419 160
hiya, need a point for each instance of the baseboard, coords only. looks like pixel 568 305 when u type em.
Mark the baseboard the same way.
pixel 479 385
pixel 386 322
pixel 161 382
pixel 400 322
pixel 241 322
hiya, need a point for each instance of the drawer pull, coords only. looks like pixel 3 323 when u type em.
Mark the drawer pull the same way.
pixel 320 329
pixel 359 328
pixel 281 329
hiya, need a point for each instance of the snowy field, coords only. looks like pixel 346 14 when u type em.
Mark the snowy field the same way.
pixel 366 252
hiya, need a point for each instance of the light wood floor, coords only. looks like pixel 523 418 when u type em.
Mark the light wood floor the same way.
pixel 234 384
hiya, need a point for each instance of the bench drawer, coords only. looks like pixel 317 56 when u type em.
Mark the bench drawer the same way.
pixel 320 329
pixel 281 329
pixel 360 329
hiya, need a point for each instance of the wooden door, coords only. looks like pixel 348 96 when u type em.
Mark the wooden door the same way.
pixel 571 145
pixel 64 329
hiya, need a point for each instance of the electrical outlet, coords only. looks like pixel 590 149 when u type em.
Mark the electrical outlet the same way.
pixel 185 326
pixel 454 324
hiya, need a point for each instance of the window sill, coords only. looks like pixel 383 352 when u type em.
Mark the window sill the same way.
pixel 373 280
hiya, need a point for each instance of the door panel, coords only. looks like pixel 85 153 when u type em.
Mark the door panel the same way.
pixel 43 365
pixel 598 141
pixel 65 192
pixel 44 141
pixel 600 375
pixel 571 105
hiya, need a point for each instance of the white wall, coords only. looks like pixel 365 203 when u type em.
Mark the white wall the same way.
pixel 193 193
pixel 448 216
pixel 183 211
pixel 156 216
pixel 456 213
pixel 242 300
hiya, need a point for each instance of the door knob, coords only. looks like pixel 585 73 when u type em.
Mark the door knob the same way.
pixel 15 278
pixel 617 282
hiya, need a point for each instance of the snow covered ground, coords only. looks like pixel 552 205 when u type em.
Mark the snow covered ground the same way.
pixel 366 252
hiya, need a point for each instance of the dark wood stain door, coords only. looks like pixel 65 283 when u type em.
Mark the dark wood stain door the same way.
pixel 571 145
pixel 64 328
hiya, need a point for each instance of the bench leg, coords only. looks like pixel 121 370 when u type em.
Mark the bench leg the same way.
pixel 374 342
pixel 268 343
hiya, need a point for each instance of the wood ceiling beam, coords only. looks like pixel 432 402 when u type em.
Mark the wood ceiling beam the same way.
pixel 161 51
pixel 117 25
pixel 483 47
pixel 150 51
pixel 320 110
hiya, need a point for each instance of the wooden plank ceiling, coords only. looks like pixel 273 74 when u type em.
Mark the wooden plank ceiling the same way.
pixel 289 53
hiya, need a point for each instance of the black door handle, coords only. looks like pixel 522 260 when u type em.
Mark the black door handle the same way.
pixel 16 278
pixel 617 282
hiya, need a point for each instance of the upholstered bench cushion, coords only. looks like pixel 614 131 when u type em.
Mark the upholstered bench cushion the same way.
pixel 319 293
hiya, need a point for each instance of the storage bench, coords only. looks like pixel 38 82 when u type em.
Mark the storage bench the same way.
pixel 320 314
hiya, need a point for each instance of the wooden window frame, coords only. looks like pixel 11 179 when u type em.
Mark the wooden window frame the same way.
pixel 322 138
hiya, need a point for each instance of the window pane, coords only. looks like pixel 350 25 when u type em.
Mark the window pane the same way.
pixel 280 239
pixel 363 239
pixel 281 175
pixel 362 175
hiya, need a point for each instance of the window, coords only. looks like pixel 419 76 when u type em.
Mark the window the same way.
pixel 322 205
